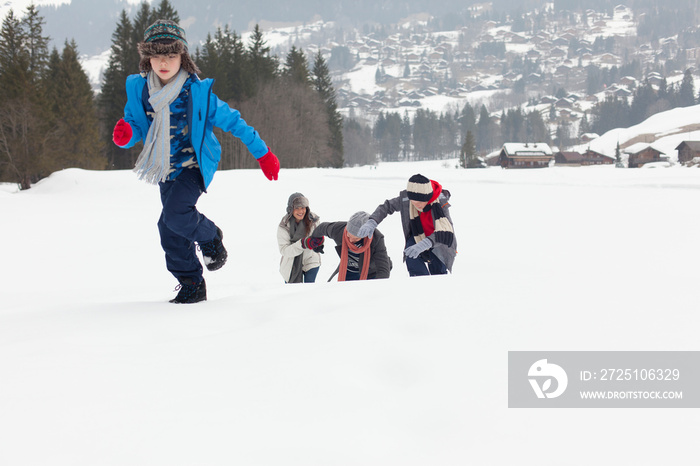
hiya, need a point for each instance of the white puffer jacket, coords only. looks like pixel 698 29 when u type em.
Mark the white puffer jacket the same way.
pixel 290 250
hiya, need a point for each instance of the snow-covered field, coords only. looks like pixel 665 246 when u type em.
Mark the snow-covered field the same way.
pixel 97 368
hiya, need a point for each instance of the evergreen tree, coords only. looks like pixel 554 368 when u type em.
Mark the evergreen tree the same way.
pixel 112 98
pixel 484 131
pixel 467 156
pixel 296 66
pixel 341 58
pixel 223 58
pixel 643 100
pixel 535 128
pixel 686 94
pixel 406 133
pixel 449 143
pixel 563 135
pixel 387 133
pixel 263 67
pixel 166 11
pixel 584 127
pixel 513 127
pixel 24 127
pixel 467 121
pixel 208 58
pixel 36 44
pixel 240 74
pixel 321 80
pixel 73 113
pixel 145 16
pixel 426 134
pixel 358 138
pixel 14 59
pixel 609 114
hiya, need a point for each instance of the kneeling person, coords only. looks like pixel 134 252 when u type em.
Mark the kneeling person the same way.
pixel 431 245
pixel 360 258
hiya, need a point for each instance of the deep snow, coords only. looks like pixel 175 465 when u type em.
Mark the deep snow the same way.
pixel 96 367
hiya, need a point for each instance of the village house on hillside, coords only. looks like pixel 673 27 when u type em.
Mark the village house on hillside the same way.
pixel 688 150
pixel 591 157
pixel 568 159
pixel 525 155
pixel 642 153
pixel 588 137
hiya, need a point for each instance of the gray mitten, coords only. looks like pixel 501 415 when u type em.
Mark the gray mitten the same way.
pixel 415 250
pixel 367 230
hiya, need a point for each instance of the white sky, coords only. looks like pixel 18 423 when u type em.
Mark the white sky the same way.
pixel 18 6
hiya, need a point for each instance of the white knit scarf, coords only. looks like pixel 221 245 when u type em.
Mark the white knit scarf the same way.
pixel 153 164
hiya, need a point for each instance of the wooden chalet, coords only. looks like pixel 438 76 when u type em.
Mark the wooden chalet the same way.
pixel 588 137
pixel 568 159
pixel 527 155
pixel 591 157
pixel 642 153
pixel 688 150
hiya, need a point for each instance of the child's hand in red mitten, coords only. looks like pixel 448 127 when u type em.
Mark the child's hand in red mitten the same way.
pixel 270 165
pixel 122 133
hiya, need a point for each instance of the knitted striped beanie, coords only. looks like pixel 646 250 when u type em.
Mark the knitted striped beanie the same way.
pixel 164 29
pixel 419 188
pixel 165 37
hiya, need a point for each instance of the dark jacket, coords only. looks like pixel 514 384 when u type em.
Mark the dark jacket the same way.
pixel 379 263
pixel 446 253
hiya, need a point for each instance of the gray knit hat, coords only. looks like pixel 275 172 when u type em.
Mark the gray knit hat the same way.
pixel 356 221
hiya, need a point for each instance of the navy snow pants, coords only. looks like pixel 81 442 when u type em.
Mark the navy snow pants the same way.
pixel 181 225
pixel 425 264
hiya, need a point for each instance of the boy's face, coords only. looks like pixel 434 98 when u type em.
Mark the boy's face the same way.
pixel 352 238
pixel 166 66
pixel 419 205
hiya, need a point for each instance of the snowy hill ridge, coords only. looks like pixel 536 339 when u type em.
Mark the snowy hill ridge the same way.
pixel 665 131
pixel 98 368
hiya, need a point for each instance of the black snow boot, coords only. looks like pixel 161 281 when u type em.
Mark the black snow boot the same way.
pixel 190 292
pixel 214 252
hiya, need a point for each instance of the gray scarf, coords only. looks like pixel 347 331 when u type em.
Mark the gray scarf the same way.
pixel 297 231
pixel 153 164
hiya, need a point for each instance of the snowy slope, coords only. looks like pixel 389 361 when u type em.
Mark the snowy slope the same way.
pixel 665 131
pixel 97 368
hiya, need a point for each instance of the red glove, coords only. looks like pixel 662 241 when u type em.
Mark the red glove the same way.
pixel 312 242
pixel 122 133
pixel 270 165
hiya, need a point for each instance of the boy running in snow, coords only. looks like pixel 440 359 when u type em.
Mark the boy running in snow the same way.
pixel 173 112
pixel 431 245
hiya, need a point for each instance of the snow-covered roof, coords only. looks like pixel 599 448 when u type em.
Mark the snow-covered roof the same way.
pixel 527 148
pixel 639 147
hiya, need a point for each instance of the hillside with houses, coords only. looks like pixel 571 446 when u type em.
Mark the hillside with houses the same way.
pixel 541 63
pixel 560 65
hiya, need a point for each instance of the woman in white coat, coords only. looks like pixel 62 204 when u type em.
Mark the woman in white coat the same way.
pixel 301 256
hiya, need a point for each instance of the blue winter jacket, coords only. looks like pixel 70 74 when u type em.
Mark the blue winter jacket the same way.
pixel 204 111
